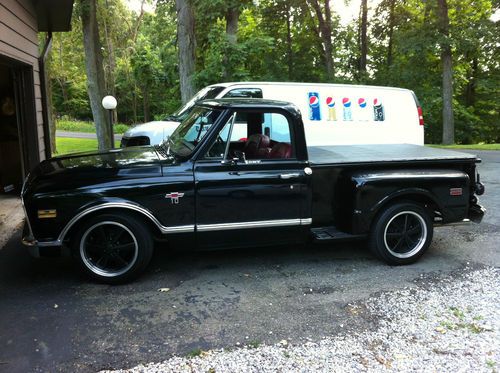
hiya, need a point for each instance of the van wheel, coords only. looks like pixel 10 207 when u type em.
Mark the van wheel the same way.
pixel 113 249
pixel 402 233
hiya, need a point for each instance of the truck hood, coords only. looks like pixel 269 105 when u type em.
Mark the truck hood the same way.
pixel 80 169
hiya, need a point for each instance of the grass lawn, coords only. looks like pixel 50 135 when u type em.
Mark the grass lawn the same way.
pixel 88 127
pixel 67 145
pixel 471 146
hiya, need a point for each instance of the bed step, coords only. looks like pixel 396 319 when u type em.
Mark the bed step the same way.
pixel 331 233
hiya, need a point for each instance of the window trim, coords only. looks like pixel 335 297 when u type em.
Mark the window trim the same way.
pixel 226 115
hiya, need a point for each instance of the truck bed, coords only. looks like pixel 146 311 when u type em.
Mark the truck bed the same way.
pixel 356 154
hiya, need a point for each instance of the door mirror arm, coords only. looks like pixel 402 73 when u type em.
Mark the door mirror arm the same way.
pixel 239 158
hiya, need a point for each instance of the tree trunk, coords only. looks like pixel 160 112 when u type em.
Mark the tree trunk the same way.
pixel 325 31
pixel 134 103
pixel 138 22
pixel 186 43
pixel 446 60
pixel 52 117
pixel 363 38
pixel 470 89
pixel 95 72
pixel 145 103
pixel 391 32
pixel 289 42
pixel 110 82
pixel 232 16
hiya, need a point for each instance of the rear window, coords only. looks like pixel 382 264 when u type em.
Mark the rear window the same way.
pixel 244 93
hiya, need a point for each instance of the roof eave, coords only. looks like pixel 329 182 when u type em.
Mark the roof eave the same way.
pixel 53 15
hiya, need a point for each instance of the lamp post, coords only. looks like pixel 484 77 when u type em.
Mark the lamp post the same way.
pixel 109 103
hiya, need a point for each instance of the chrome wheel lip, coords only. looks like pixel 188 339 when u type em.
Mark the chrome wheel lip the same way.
pixel 99 271
pixel 421 242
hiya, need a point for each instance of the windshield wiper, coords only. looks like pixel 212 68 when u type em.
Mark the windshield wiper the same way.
pixel 165 148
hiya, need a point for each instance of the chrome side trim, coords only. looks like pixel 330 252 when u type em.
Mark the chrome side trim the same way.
pixel 173 229
pixel 178 229
pixel 48 243
pixel 125 205
pixel 454 224
pixel 252 224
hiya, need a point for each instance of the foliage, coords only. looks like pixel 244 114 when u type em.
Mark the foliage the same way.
pixel 86 127
pixel 480 146
pixel 278 40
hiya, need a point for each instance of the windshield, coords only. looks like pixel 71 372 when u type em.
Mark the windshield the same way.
pixel 206 93
pixel 192 129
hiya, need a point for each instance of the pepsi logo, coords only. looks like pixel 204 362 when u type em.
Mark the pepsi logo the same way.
pixel 314 101
pixel 346 102
pixel 375 101
pixel 330 102
pixel 362 102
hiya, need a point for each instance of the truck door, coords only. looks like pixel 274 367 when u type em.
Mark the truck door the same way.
pixel 250 187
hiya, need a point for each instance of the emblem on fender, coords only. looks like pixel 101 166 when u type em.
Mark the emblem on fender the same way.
pixel 174 197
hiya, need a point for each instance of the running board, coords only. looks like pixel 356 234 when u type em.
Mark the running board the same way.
pixel 324 234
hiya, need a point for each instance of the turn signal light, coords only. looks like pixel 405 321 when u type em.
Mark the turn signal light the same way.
pixel 47 214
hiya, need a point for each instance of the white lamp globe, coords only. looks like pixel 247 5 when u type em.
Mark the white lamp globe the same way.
pixel 109 102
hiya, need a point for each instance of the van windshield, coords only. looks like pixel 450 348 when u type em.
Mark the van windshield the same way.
pixel 192 129
pixel 206 93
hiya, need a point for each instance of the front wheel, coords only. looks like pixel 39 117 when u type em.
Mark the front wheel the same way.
pixel 402 233
pixel 113 248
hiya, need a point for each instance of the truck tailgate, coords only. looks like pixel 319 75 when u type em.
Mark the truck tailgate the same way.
pixel 382 153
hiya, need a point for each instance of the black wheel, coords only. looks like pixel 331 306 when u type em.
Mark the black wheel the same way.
pixel 113 248
pixel 401 233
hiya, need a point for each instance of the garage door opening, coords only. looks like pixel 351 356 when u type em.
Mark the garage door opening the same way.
pixel 11 168
pixel 18 131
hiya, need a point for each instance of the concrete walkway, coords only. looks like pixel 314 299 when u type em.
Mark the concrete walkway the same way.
pixel 11 216
pixel 81 135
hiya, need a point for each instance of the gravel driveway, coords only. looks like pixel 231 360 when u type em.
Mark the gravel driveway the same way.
pixel 336 306
pixel 450 324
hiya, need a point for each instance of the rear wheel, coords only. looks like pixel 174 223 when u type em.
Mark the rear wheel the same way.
pixel 402 233
pixel 113 249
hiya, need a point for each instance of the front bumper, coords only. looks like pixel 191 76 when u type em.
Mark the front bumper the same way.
pixel 476 213
pixel 29 241
pixel 41 249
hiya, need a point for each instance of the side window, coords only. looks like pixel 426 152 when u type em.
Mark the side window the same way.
pixel 244 92
pixel 256 135
pixel 276 126
pixel 218 148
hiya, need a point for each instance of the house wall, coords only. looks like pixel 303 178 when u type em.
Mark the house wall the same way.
pixel 19 40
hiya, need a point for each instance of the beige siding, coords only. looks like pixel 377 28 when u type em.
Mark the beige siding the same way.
pixel 19 40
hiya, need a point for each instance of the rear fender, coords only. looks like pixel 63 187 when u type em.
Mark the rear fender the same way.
pixel 445 191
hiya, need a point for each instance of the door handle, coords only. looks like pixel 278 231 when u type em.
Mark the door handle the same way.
pixel 289 176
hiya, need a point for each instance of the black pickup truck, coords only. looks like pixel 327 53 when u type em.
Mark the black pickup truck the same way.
pixel 238 173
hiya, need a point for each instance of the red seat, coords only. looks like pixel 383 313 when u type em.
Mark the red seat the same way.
pixel 281 150
pixel 254 144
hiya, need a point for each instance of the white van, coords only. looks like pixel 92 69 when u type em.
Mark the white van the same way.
pixel 333 114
